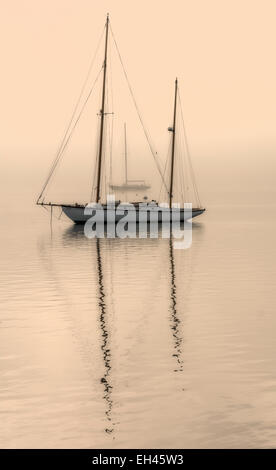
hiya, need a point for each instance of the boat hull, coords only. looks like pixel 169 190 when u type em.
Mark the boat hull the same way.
pixel 77 215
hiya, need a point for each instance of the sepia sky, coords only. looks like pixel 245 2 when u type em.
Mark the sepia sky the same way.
pixel 223 53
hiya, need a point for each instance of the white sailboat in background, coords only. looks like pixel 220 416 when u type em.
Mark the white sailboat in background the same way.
pixel 76 211
pixel 129 185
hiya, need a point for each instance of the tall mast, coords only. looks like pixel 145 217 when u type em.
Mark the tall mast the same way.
pixel 173 143
pixel 102 113
pixel 125 155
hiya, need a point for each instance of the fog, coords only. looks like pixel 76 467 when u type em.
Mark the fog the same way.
pixel 222 53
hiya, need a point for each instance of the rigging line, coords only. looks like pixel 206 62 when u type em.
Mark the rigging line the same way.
pixel 74 109
pixel 184 173
pixel 108 130
pixel 111 149
pixel 110 138
pixel 138 111
pixel 94 182
pixel 188 155
pixel 178 193
pixel 181 172
pixel 178 176
pixel 94 187
pixel 106 137
pixel 105 145
pixel 81 93
pixel 53 215
pixel 109 77
pixel 93 169
pixel 104 151
pixel 187 172
pixel 68 138
pixel 187 175
pixel 165 169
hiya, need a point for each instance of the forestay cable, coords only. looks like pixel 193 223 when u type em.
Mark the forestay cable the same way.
pixel 65 142
pixel 61 146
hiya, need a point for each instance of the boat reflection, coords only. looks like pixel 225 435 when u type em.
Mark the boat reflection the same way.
pixel 76 231
pixel 100 252
pixel 105 346
pixel 175 321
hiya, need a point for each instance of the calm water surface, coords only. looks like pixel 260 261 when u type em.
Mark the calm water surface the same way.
pixel 130 343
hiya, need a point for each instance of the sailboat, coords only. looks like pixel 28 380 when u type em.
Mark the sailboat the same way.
pixel 76 212
pixel 129 185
